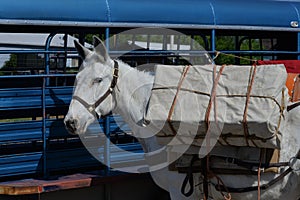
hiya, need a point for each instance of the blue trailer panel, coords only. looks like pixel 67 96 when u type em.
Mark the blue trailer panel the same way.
pixel 267 13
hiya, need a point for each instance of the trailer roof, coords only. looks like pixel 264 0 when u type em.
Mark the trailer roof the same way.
pixel 251 14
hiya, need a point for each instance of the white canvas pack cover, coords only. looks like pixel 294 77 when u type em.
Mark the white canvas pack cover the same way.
pixel 237 105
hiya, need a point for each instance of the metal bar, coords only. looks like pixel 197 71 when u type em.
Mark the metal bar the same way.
pixel 192 42
pixel 39 76
pixel 192 47
pixel 46 82
pixel 86 24
pixel 107 121
pixel 107 159
pixel 160 52
pixel 261 47
pixel 164 46
pixel 44 136
pixel 237 48
pixel 261 52
pixel 250 46
pixel 65 54
pixel 47 55
pixel 178 43
pixel 213 43
pixel 154 52
pixel 148 45
pixel 205 41
pixel 116 41
pixel 237 53
pixel 165 42
pixel 272 46
pixel 34 51
pixel 163 54
pixel 148 41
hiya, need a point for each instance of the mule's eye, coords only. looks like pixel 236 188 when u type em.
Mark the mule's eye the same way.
pixel 97 80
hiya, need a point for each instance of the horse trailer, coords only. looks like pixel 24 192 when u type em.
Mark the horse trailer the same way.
pixel 39 159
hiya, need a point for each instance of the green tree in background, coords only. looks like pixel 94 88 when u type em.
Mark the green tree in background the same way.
pixel 225 43
pixel 11 63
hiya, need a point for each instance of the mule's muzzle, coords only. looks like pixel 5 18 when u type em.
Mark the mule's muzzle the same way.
pixel 71 125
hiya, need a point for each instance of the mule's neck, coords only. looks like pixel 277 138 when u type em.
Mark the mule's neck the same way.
pixel 132 94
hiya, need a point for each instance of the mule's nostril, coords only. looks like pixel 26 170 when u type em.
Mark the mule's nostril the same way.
pixel 71 125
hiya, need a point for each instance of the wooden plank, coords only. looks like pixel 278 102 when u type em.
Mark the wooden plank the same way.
pixel 75 181
pixel 35 186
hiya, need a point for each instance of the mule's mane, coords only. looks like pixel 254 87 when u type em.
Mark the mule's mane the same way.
pixel 134 88
pixel 132 77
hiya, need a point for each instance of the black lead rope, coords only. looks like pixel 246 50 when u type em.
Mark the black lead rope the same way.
pixel 189 179
pixel 251 165
pixel 291 107
pixel 205 176
pixel 222 188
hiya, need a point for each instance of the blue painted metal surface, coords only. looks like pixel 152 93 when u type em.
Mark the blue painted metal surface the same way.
pixel 256 13
pixel 107 121
pixel 56 10
pixel 25 143
pixel 68 159
pixel 268 13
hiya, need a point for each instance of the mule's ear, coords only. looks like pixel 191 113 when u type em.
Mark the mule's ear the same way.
pixel 100 48
pixel 82 51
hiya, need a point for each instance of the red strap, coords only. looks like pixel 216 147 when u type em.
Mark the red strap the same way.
pixel 183 75
pixel 213 95
pixel 292 66
pixel 245 124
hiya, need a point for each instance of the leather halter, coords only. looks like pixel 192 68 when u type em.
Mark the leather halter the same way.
pixel 92 107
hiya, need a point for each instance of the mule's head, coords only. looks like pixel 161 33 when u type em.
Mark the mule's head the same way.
pixel 93 90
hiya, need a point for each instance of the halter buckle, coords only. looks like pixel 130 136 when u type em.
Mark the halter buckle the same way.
pixel 91 108
pixel 294 163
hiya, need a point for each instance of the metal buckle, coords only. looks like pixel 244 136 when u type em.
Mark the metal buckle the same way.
pixel 230 160
pixel 294 163
pixel 255 169
pixel 91 108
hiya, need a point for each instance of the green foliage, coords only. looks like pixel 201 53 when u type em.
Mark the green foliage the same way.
pixel 225 43
pixel 11 63
pixel 89 38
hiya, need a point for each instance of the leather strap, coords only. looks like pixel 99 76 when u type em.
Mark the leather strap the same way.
pixel 220 187
pixel 92 107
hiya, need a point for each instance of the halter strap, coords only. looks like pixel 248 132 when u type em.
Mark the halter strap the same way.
pixel 92 107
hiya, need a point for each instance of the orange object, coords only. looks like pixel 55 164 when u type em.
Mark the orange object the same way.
pixel 296 89
pixel 290 82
